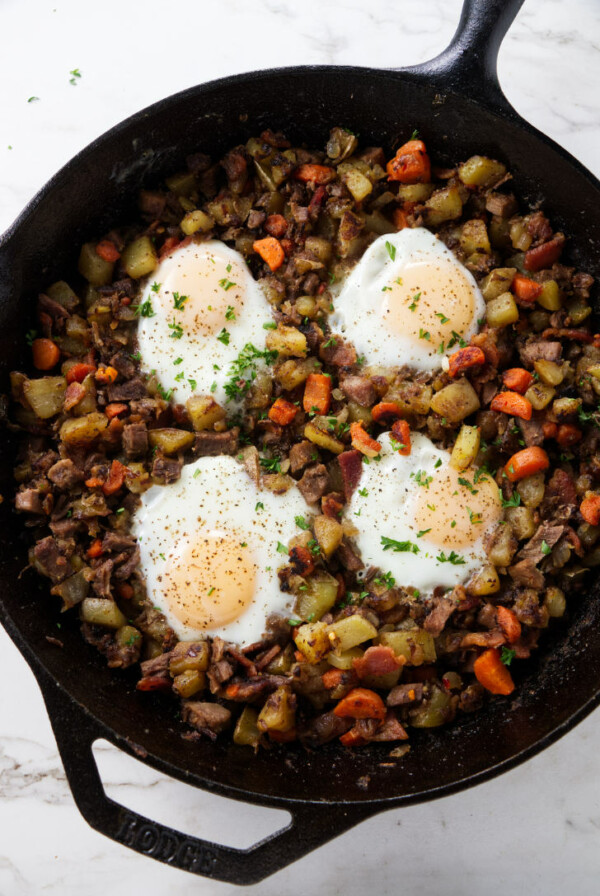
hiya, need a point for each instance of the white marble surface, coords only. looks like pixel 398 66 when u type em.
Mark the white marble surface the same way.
pixel 534 830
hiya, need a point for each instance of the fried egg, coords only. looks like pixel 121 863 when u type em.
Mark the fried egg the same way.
pixel 419 518
pixel 210 546
pixel 408 301
pixel 198 311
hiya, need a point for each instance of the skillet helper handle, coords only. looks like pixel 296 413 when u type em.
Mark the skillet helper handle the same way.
pixel 311 825
pixel 469 64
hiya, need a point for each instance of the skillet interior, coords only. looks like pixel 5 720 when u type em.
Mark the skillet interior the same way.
pixel 98 188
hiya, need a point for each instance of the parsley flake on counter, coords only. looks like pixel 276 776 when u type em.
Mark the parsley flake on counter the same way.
pixel 75 74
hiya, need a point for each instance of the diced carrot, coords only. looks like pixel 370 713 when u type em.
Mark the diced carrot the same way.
pixel 512 403
pixel 154 683
pixel 78 372
pixel 525 288
pixel 332 505
pixel 95 549
pixel 301 560
pixel 283 737
pixel 386 412
pixel 465 358
pixel 411 164
pixel 568 435
pixel 508 622
pixel 105 375
pixel 377 660
pixel 114 409
pixel 400 219
pixel 316 174
pixel 491 672
pixel 317 393
pixel 526 462
pixel 332 678
pixel 361 703
pixel 545 255
pixel 276 225
pixel 46 354
pixel 107 251
pixel 590 509
pixel 353 738
pixel 299 656
pixel 401 432
pixel 362 441
pixel 116 478
pixel 282 411
pixel 517 379
pixel 125 590
pixel 94 482
pixel 271 251
pixel 549 429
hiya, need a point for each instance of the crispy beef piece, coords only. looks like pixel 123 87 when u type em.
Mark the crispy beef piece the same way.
pixel 101 578
pixel 313 484
pixel 359 389
pixel 536 349
pixel 256 219
pixel 526 573
pixel 198 162
pixel 299 213
pixel 351 466
pixel 436 619
pixel 132 389
pixel 389 730
pixel 211 444
pixel 64 474
pixel 471 699
pixel 135 439
pixel 310 286
pixel 219 673
pixel 404 694
pixel 128 566
pixel 501 204
pixel 278 629
pixel 149 409
pixel 348 558
pixel 166 469
pixel 373 155
pixel 156 665
pixel 29 500
pixel 483 639
pixel 50 560
pixel 64 528
pixel 152 203
pixel 582 283
pixel 528 608
pixel 119 656
pixel 123 364
pixel 533 433
pixel 323 729
pixel 117 542
pixel 488 343
pixel 488 616
pixel 533 549
pixel 538 226
pixel 205 716
pixel 302 454
pixel 56 311
pixel 248 690
pixel 236 168
pixel 340 354
pixel 560 498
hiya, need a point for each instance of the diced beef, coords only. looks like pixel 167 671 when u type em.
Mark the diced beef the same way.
pixel 152 203
pixel 54 309
pixel 251 689
pixel 324 728
pixel 532 430
pixel 526 573
pixel 436 619
pixel 533 550
pixel 582 283
pixel 119 656
pixel 166 469
pixel 349 558
pixel 501 204
pixel 123 364
pixel 359 389
pixel 50 560
pixel 64 528
pixel 351 466
pixel 211 444
pixel 338 353
pixel 471 699
pixel 483 639
pixel 390 730
pixel 132 389
pixel 314 483
pixel 404 694
pixel 536 349
pixel 301 455
pixel 135 439
pixel 236 168
pixel 116 542
pixel 539 227
pixel 299 213
pixel 560 497
pixel 255 219
pixel 125 569
pixel 29 500
pixel 64 474
pixel 101 578
pixel 206 717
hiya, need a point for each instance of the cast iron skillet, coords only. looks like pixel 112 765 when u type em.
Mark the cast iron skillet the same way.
pixel 456 103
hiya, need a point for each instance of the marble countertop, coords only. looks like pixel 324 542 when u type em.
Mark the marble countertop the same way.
pixel 535 829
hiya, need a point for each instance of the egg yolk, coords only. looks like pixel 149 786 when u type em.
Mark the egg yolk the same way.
pixel 428 302
pixel 455 514
pixel 210 581
pixel 202 292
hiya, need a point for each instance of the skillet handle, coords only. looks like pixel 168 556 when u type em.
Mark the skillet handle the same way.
pixel 311 825
pixel 469 64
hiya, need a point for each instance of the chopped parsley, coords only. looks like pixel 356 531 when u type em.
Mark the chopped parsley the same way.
pixel 414 134
pixel 224 337
pixel 145 309
pixel 180 376
pixel 424 334
pixel 137 356
pixel 423 532
pixel 589 417
pixel 442 317
pixel 196 474
pixel 75 74
pixel 468 485
pixel 513 501
pixel 230 313
pixel 457 339
pixel 313 547
pixel 164 393
pixel 213 387
pixel 242 371
pixel 386 579
pixel 438 463
pixel 226 284
pixel 386 288
pixel 33 99
pixel 301 523
pixel 422 479
pixel 414 303
pixel 179 301
pixel 281 548
pixel 31 335
pixel 294 622
pixel 162 557
pixel 259 506
pixel 546 549
pixel 474 518
pixel 272 464
pixel 391 249
pixel 399 547
pixel 363 492
pixel 507 655
pixel 192 383
pixel 178 361
pixel 155 286
pixel 330 343
pixel 453 558
pixel 176 331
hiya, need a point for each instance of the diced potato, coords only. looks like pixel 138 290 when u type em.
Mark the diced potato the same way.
pixel 45 395
pixel 540 395
pixel 498 230
pixel 312 640
pixel 502 311
pixel 307 306
pixel 196 220
pixel 319 247
pixel 551 298
pixel 170 441
pixel 466 447
pixel 502 547
pixel 204 412
pixel 549 372
pixel 88 403
pixel 415 645
pixel 328 533
pixel 519 235
pixel 246 733
pixel 350 632
pixel 456 401
pixel 485 581
pixel 359 185
pixel 531 489
pixel 323 439
pixel 279 712
pixel 563 408
pixel 102 611
pixel 474 237
pixel 594 371
pixel 183 183
pixel 62 293
pixel 435 710
pixel 385 681
pixel 579 310
pixel 377 223
pixel 288 342
pixel 278 483
pixel 497 282
pixel 358 414
pixel 521 522
pixel 189 655
pixel 189 683
pixel 73 590
pixel 283 662
pixel 410 400
pixel 555 602
pixel 480 171
pixel 83 430
pixel 344 660
pixel 414 192
pixel 138 479
pixel 95 270
pixel 349 236
pixel 318 596
pixel 139 258
pixel 293 373
pixel 443 205
pixel 128 636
